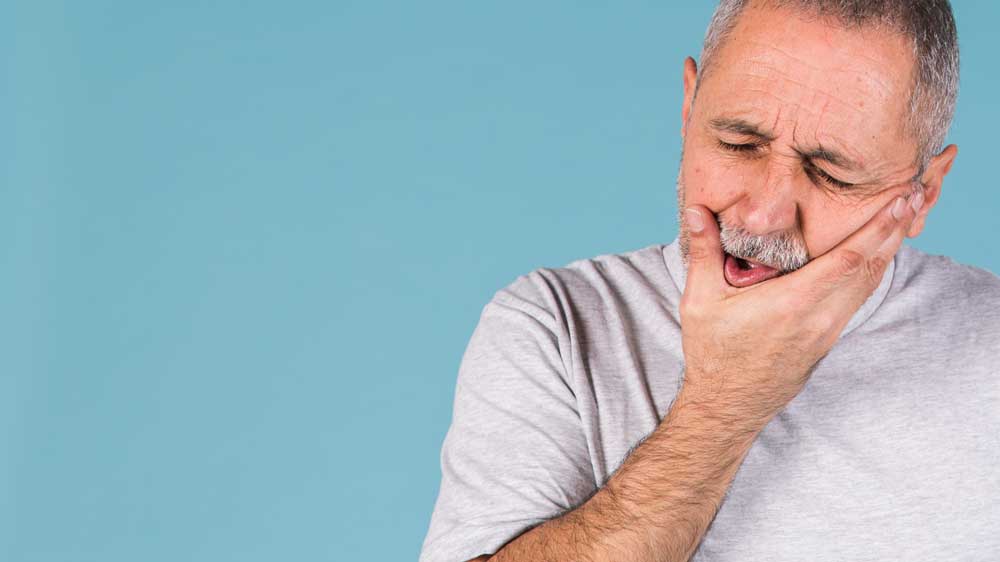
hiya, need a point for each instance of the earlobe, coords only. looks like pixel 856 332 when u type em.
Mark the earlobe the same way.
pixel 690 85
pixel 933 179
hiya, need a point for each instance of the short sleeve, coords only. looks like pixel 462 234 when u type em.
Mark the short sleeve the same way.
pixel 515 454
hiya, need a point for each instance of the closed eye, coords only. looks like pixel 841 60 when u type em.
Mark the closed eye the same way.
pixel 825 177
pixel 739 148
pixel 813 170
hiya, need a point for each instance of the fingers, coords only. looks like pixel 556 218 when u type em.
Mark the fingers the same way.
pixel 705 278
pixel 891 244
pixel 861 259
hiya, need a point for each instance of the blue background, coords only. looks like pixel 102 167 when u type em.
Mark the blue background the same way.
pixel 244 245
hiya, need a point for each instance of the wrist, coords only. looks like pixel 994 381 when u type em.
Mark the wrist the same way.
pixel 717 414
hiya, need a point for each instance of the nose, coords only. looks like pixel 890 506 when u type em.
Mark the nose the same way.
pixel 769 206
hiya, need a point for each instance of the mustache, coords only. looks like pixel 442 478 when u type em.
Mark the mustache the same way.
pixel 784 251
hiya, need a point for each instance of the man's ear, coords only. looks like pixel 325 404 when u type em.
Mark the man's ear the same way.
pixel 933 177
pixel 690 84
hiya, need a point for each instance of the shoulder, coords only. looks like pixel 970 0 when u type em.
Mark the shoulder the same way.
pixel 586 283
pixel 944 272
pixel 943 284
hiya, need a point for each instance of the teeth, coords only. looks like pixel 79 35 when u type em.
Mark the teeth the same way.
pixel 754 264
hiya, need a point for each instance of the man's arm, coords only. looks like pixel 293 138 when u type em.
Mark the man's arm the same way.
pixel 658 504
pixel 747 353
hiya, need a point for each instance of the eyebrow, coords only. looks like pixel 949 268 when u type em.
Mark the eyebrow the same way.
pixel 831 156
pixel 740 127
pixel 744 127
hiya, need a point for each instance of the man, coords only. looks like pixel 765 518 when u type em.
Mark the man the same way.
pixel 784 381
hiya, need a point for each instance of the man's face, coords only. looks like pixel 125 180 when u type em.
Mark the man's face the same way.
pixel 796 138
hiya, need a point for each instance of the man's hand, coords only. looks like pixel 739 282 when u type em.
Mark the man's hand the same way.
pixel 749 351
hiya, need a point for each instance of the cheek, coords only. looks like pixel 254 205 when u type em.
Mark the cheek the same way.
pixel 711 184
pixel 828 222
pixel 826 230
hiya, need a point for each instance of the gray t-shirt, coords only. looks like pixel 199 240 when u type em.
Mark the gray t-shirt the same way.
pixel 890 452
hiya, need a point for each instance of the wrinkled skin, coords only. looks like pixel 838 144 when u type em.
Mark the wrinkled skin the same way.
pixel 807 85
pixel 810 84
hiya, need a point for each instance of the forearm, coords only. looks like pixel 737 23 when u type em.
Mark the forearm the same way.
pixel 658 504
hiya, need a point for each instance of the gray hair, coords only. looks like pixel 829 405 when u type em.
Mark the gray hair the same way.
pixel 930 26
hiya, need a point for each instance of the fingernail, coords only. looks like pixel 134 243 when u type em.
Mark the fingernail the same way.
pixel 918 201
pixel 694 220
pixel 897 208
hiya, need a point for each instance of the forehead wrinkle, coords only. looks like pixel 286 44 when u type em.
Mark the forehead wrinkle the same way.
pixel 768 61
pixel 871 78
pixel 840 155
pixel 765 47
pixel 841 145
pixel 777 119
pixel 762 55
pixel 857 163
pixel 785 80
pixel 754 108
pixel 780 82
pixel 832 104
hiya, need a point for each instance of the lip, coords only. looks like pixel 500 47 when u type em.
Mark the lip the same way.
pixel 737 276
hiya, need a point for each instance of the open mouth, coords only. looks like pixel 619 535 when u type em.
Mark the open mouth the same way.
pixel 742 272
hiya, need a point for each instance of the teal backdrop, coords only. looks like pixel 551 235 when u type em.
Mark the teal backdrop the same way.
pixel 244 246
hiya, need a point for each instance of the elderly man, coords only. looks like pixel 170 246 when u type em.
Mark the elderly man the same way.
pixel 784 381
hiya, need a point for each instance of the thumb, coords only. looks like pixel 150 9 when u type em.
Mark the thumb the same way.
pixel 705 277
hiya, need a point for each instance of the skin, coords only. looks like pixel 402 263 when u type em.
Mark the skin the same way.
pixel 808 101
pixel 748 351
pixel 806 85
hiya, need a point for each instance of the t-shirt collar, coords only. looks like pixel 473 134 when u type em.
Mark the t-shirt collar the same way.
pixel 678 272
